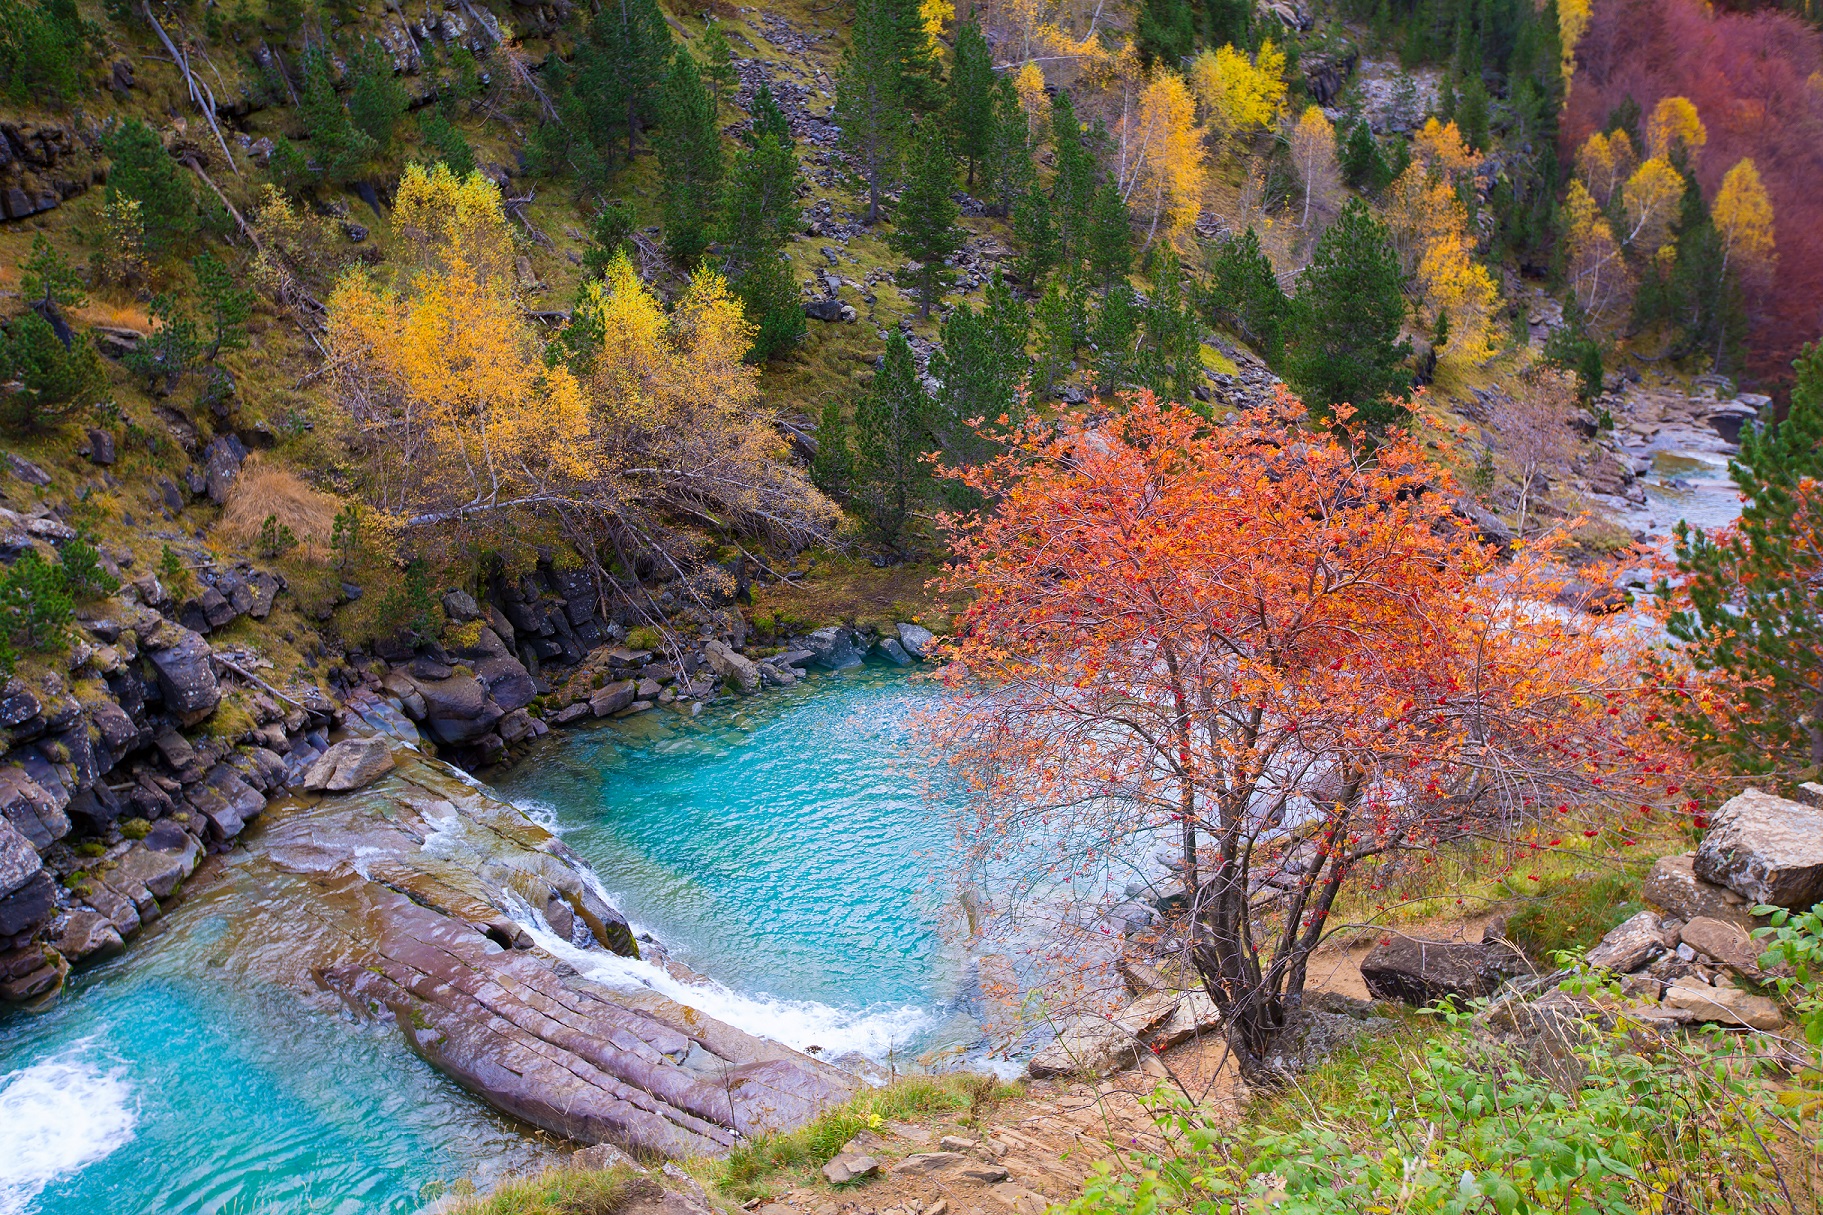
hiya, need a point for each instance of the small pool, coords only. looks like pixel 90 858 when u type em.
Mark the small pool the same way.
pixel 784 845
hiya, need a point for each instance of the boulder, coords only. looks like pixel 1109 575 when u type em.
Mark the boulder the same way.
pixel 515 726
pixel 1724 1004
pixel 351 764
pixel 86 934
pixel 30 905
pixel 890 649
pixel 735 669
pixel 1100 1046
pixel 1630 944
pixel 1420 972
pixel 508 682
pixel 850 1167
pixel 828 308
pixel 226 801
pixel 916 639
pixel 457 709
pixel 153 870
pixel 19 861
pixel 832 648
pixel 33 811
pixel 221 464
pixel 949 1166
pixel 1765 848
pixel 612 697
pixel 1194 1017
pixel 186 673
pixel 1727 943
pixel 100 446
pixel 1674 888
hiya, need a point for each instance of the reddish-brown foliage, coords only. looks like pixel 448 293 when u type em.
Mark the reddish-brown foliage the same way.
pixel 1750 77
pixel 1287 660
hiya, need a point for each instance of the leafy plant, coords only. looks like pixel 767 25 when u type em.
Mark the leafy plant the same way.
pixel 1795 940
pixel 83 575
pixel 55 380
pixel 275 539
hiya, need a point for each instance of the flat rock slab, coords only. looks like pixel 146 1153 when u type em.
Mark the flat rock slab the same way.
pixel 949 1166
pixel 1420 972
pixel 350 764
pixel 1766 849
pixel 1100 1046
pixel 1723 1005
pixel 1630 944
pixel 423 902
pixel 1674 888
pixel 850 1167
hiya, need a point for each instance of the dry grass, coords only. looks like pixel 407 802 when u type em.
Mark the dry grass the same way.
pixel 265 490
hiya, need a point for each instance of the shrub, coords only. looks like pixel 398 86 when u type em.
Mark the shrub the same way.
pixel 35 604
pixel 44 50
pixel 142 170
pixel 57 380
pixel 265 494
pixel 563 1191
pixel 643 638
pixel 84 579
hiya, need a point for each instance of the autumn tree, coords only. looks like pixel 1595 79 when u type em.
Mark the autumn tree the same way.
pixel 924 224
pixel 1600 281
pixel 1162 158
pixel 1743 215
pixel 1747 604
pixel 1313 155
pixel 1343 343
pixel 1242 97
pixel 1147 659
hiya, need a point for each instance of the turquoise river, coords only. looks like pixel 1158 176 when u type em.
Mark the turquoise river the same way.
pixel 784 845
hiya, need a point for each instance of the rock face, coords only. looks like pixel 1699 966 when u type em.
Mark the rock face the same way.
pixel 1420 972
pixel 1766 849
pixel 1630 944
pixel 425 898
pixel 1674 888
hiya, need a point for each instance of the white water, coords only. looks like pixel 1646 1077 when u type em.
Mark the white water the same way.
pixel 57 1116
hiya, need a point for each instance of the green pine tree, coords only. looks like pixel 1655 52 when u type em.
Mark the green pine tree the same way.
pixel 718 64
pixel 1166 32
pixel 142 170
pixel 769 295
pixel 610 235
pixel 45 50
pixel 832 469
pixel 35 603
pixel 891 430
pixel 768 118
pixel 48 280
pixel 1245 296
pixel 1755 617
pixel 759 203
pixel 54 380
pixel 1171 354
pixel 1115 339
pixel 870 104
pixel 970 111
pixel 445 139
pixel 608 92
pixel 1343 342
pixel 924 224
pixel 1073 188
pixel 690 158
pixel 226 304
pixel 1007 174
pixel 1363 163
pixel 979 366
pixel 1110 237
pixel 338 149
pixel 377 101
pixel 1036 236
pixel 1056 338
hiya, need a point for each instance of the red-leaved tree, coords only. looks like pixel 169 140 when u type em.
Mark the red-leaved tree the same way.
pixel 1283 658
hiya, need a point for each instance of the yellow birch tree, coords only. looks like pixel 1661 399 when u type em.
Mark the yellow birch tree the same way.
pixel 1743 215
pixel 1162 153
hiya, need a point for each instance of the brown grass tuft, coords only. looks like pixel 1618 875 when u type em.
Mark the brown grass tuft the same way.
pixel 263 489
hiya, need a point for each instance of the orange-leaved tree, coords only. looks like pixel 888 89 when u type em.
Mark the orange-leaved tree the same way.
pixel 1281 658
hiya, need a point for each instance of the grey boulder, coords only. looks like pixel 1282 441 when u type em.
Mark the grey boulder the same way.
pixel 916 639
pixel 1420 972
pixel 893 652
pixel 1765 848
pixel 186 672
pixel 733 667
pixel 1674 888
pixel 19 861
pixel 1629 944
pixel 350 764
pixel 833 648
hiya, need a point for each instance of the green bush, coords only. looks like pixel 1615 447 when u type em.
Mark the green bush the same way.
pixel 44 50
pixel 84 579
pixel 1456 1124
pixel 35 604
pixel 562 1191
pixel 57 381
pixel 143 171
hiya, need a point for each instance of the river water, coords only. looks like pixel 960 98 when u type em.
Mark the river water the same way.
pixel 786 846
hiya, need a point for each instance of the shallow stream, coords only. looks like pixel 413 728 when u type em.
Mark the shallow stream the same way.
pixel 784 846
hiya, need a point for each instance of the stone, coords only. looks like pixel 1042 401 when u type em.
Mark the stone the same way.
pixel 352 763
pixel 1630 944
pixel 34 811
pixel 457 710
pixel 612 697
pixel 1100 1046
pixel 1727 943
pixel 1420 972
pixel 832 647
pixel 25 470
pixel 186 673
pixel 100 447
pixel 736 669
pixel 601 1157
pixel 157 871
pixel 1195 1016
pixel 890 649
pixel 916 639
pixel 221 464
pixel 1765 848
pixel 828 308
pixel 86 934
pixel 845 1168
pixel 508 682
pixel 1673 887
pixel 515 726
pixel 1727 1005
pixel 571 712
pixel 1019 1200
pixel 19 861
pixel 30 905
pixel 949 1166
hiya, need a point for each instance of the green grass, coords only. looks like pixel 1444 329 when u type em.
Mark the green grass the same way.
pixel 563 1191
pixel 748 1171
pixel 1573 912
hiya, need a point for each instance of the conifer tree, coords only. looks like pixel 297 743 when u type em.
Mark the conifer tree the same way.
pixel 979 364
pixel 1751 615
pixel 870 107
pixel 1073 188
pixel 971 98
pixel 1115 338
pixel 54 380
pixel 759 204
pixel 1037 237
pixel 377 101
pixel 832 469
pixel 915 56
pixel 338 149
pixel 1344 342
pixel 769 295
pixel 768 118
pixel 1166 31
pixel 1170 357
pixel 609 90
pixel 1007 173
pixel 1363 164
pixel 1110 238
pixel 143 171
pixel 891 430
pixel 924 225
pixel 1056 338
pixel 1245 296
pixel 226 304
pixel 690 157
pixel 718 64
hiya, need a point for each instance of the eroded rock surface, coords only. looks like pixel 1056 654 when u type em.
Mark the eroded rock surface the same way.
pixel 419 898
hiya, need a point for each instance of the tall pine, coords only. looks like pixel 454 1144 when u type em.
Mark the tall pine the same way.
pixel 891 430
pixel 970 111
pixel 924 224
pixel 870 103
pixel 979 366
pixel 1344 339
pixel 690 158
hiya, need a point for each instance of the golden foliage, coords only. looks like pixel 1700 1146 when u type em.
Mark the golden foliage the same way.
pixel 1605 161
pixel 263 490
pixel 935 14
pixel 1674 124
pixel 1572 21
pixel 1649 201
pixel 1430 231
pixel 1743 215
pixel 1163 170
pixel 1029 84
pixel 1240 96
pixel 1313 154
pixel 1598 275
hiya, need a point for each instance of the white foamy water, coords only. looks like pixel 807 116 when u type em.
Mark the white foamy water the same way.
pixel 57 1117
pixel 542 813
pixel 874 1033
